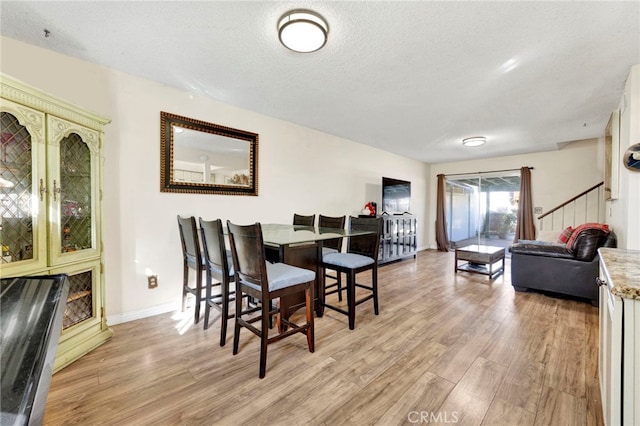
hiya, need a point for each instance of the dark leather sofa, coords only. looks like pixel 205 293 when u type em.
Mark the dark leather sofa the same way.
pixel 555 268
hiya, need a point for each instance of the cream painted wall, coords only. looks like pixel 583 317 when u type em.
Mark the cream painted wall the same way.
pixel 298 167
pixel 556 177
pixel 300 170
pixel 624 211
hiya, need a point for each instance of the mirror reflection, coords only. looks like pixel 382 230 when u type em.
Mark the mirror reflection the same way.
pixel 207 158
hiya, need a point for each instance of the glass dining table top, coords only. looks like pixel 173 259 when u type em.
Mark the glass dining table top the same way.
pixel 281 234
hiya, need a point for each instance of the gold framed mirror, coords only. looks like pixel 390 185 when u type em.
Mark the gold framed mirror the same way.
pixel 205 158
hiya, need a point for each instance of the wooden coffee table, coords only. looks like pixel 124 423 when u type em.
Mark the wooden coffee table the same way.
pixel 480 259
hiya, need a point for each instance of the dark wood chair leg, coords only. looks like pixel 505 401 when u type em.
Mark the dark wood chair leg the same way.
pixel 374 286
pixel 339 284
pixel 264 338
pixel 310 330
pixel 224 290
pixel 196 318
pixel 207 307
pixel 321 291
pixel 270 317
pixel 238 314
pixel 185 282
pixel 351 299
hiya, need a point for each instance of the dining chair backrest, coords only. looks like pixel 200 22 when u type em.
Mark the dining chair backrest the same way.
pixel 219 268
pixel 335 223
pixel 213 246
pixel 190 241
pixel 247 248
pixel 304 220
pixel 367 244
pixel 192 260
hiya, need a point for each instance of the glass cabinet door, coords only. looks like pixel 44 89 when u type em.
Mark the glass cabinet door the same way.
pixel 79 306
pixel 22 202
pixel 73 196
pixel 83 313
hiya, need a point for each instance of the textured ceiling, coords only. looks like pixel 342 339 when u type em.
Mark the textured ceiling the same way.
pixel 413 78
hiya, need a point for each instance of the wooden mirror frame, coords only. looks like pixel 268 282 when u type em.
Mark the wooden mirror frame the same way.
pixel 168 180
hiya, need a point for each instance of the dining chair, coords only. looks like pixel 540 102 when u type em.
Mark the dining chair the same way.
pixel 332 246
pixel 361 255
pixel 299 219
pixel 266 281
pixel 192 260
pixel 219 267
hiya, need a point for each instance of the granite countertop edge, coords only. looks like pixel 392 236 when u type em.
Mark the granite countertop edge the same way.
pixel 623 268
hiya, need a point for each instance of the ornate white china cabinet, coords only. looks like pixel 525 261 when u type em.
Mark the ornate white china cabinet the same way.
pixel 50 205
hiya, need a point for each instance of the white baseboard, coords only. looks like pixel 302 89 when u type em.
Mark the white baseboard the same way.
pixel 142 313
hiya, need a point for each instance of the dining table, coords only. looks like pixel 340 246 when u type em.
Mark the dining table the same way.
pixel 301 246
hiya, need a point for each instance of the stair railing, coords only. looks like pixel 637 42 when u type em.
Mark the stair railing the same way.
pixel 588 206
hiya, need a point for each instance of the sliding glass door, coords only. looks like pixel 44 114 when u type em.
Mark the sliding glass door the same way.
pixel 482 208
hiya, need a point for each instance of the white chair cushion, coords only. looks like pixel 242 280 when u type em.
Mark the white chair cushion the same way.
pixel 347 260
pixel 281 275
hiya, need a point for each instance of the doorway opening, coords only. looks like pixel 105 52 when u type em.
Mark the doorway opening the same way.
pixel 482 208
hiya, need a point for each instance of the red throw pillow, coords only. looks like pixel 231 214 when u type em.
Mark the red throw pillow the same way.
pixel 580 228
pixel 565 235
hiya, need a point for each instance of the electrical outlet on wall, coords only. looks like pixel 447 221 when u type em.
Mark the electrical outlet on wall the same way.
pixel 152 281
pixel 537 210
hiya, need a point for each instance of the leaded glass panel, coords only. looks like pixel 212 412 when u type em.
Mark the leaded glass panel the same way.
pixel 16 226
pixel 75 194
pixel 80 301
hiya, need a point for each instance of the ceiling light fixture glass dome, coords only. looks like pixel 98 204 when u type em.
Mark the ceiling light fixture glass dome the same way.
pixel 302 31
pixel 474 141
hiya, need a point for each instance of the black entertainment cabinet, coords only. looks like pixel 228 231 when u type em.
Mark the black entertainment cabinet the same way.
pixel 399 237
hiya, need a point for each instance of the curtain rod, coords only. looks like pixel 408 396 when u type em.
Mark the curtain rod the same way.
pixel 492 171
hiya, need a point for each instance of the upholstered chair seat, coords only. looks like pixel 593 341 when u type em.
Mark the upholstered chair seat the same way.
pixel 347 260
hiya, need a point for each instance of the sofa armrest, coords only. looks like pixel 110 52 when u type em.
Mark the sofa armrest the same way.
pixel 587 243
pixel 557 251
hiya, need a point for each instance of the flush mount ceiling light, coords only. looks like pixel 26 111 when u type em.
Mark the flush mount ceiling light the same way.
pixel 302 31
pixel 474 141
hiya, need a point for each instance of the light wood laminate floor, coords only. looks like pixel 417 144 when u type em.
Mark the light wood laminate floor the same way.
pixel 446 348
